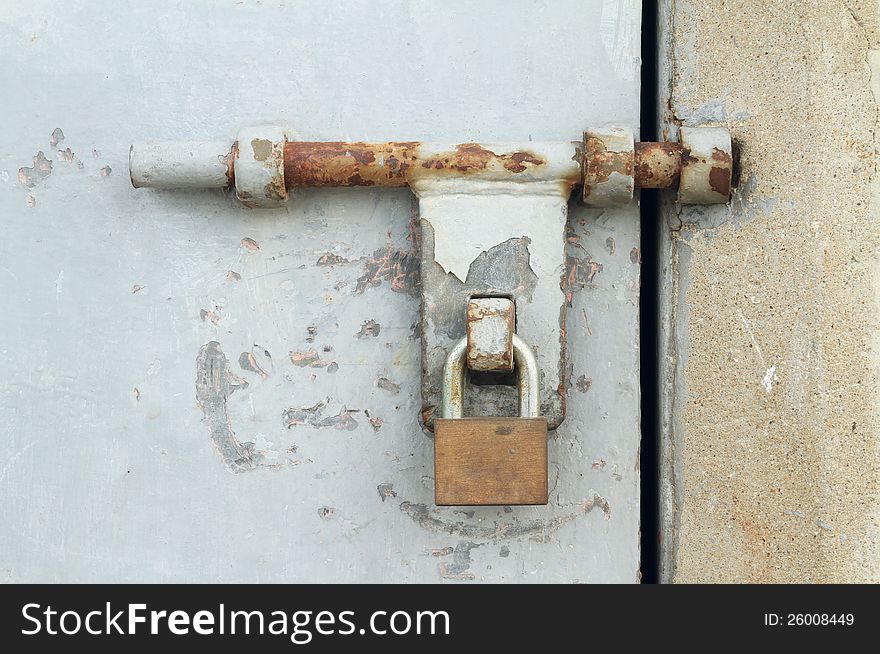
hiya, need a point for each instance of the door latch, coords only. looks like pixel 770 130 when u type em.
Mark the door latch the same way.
pixel 493 219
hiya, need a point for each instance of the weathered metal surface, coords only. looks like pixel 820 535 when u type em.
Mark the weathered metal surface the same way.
pixel 707 165
pixel 609 161
pixel 484 238
pixel 527 383
pixel 259 166
pixel 490 462
pixel 307 315
pixel 491 322
pixel 657 165
pixel 613 165
pixel 171 165
pixel 348 164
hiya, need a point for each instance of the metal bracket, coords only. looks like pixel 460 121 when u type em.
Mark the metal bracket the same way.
pixel 493 218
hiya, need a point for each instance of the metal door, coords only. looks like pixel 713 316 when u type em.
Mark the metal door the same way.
pixel 149 338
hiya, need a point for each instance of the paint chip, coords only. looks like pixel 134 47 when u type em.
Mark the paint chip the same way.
pixel 326 513
pixel 56 137
pixel 769 378
pixel 330 259
pixel 386 490
pixel 370 328
pixel 389 385
pixel 30 176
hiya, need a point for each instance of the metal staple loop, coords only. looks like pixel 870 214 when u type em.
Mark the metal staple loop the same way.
pixel 527 380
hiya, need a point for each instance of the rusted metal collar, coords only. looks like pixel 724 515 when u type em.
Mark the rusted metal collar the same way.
pixel 700 167
pixel 263 165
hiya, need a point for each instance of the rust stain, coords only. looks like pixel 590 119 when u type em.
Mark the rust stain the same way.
pixel 657 165
pixel 579 273
pixel 398 267
pixel 247 361
pixel 348 164
pixel 233 276
pixel 229 161
pixel 483 316
pixel 600 163
pixel 721 173
pixel 250 244
pixel 474 158
pixel 719 180
pixel 722 157
pixel 309 359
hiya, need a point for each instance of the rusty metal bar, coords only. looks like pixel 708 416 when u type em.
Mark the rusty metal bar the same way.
pixel 657 165
pixel 263 165
pixel 337 163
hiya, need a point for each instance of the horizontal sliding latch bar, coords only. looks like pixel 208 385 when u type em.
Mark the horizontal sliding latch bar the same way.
pixel 263 165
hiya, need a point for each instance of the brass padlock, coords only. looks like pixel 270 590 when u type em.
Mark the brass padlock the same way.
pixel 488 460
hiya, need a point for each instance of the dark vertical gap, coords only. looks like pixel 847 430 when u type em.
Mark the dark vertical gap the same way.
pixel 648 309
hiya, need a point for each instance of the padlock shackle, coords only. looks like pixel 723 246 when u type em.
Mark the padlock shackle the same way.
pixel 526 368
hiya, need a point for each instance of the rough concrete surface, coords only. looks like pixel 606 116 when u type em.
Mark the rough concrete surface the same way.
pixel 771 446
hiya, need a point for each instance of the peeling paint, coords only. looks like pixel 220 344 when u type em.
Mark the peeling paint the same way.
pixel 583 384
pixel 397 267
pixel 369 329
pixel 386 490
pixel 375 421
pixel 387 384
pixel 458 568
pixel 257 360
pixel 314 416
pixel 539 529
pixel 250 244
pixel 30 176
pixel 215 382
pixel 311 359
pixel 330 259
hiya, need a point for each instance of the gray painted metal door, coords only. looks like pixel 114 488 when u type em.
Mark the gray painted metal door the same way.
pixel 138 325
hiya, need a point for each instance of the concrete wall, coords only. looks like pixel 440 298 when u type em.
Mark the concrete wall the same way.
pixel 770 449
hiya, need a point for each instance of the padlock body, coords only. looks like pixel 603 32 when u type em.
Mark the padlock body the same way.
pixel 490 461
